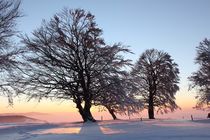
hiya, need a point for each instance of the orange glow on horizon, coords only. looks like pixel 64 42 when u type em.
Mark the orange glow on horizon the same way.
pixel 66 110
pixel 184 99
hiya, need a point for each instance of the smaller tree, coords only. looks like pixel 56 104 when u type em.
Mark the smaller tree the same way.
pixel 201 79
pixel 116 97
pixel 9 13
pixel 155 78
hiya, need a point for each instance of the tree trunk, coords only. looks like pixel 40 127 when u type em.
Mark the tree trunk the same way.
pixel 151 112
pixel 151 108
pixel 81 111
pixel 111 111
pixel 87 112
pixel 208 116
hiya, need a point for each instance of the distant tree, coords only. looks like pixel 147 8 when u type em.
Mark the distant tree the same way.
pixel 9 13
pixel 66 59
pixel 156 77
pixel 200 80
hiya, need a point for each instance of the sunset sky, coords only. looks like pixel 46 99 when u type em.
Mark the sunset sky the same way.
pixel 175 26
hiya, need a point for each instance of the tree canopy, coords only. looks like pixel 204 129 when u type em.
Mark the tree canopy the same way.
pixel 200 80
pixel 156 79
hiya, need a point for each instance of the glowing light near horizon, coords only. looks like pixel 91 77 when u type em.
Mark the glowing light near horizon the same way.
pixel 72 130
pixel 106 130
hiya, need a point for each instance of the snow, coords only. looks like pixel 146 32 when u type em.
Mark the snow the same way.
pixel 111 130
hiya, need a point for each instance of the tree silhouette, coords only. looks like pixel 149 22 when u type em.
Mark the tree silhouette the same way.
pixel 9 12
pixel 67 59
pixel 155 77
pixel 201 78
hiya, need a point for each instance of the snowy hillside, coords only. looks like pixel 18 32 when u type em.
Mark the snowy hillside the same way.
pixel 18 119
pixel 112 130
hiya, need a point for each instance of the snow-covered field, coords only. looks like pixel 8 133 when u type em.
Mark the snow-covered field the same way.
pixel 109 130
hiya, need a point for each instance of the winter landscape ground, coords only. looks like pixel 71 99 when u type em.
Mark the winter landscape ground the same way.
pixel 158 129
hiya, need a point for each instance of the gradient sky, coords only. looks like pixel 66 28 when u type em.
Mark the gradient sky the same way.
pixel 175 26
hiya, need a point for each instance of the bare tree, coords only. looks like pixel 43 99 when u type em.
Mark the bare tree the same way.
pixel 66 59
pixel 116 97
pixel 156 78
pixel 201 78
pixel 9 13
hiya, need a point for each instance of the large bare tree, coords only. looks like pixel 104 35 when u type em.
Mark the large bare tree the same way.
pixel 200 80
pixel 67 59
pixel 9 13
pixel 155 78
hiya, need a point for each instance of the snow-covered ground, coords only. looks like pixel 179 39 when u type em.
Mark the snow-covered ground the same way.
pixel 110 130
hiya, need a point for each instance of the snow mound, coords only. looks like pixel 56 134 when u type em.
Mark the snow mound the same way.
pixel 19 119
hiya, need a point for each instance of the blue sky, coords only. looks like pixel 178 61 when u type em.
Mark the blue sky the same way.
pixel 175 26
